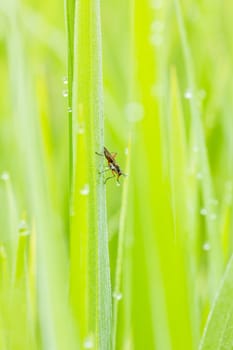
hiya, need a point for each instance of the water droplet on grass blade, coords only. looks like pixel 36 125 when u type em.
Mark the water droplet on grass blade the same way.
pixel 117 296
pixel 85 190
pixel 203 211
pixel 65 80
pixel 69 109
pixel 188 94
pixel 5 176
pixel 65 93
pixel 23 228
pixel 88 343
pixel 80 129
pixel 206 246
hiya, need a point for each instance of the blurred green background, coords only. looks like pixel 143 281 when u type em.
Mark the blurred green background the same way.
pixel 167 92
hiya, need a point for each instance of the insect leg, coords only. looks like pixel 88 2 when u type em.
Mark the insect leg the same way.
pixel 104 171
pixel 110 177
pixel 114 154
pixel 99 154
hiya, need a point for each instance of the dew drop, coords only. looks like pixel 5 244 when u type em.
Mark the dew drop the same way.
pixel 203 211
pixel 22 225
pixel 88 343
pixel 117 296
pixel 80 129
pixel 69 109
pixel 23 228
pixel 126 151
pixel 65 93
pixel 85 190
pixel 188 94
pixel 134 111
pixel 118 184
pixel 65 80
pixel 206 246
pixel 5 176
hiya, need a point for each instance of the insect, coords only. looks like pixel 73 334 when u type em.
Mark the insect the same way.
pixel 112 165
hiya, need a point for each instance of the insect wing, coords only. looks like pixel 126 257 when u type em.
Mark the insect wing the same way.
pixel 108 155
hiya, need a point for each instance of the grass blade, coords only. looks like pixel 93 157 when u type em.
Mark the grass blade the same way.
pixel 218 331
pixel 90 271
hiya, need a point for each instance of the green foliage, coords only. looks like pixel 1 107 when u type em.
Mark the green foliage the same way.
pixel 144 265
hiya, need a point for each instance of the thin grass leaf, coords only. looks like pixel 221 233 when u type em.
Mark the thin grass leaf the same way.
pixel 90 270
pixel 147 198
pixel 218 331
pixel 10 236
pixel 183 204
pixel 54 316
pixel 117 292
pixel 215 263
pixel 70 29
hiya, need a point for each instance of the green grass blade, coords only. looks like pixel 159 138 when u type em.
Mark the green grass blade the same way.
pixel 10 220
pixel 90 271
pixel 183 207
pixel 69 17
pixel 117 293
pixel 147 198
pixel 215 261
pixel 53 313
pixel 166 81
pixel 218 331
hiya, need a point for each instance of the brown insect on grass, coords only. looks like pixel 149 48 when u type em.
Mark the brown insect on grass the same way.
pixel 112 165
